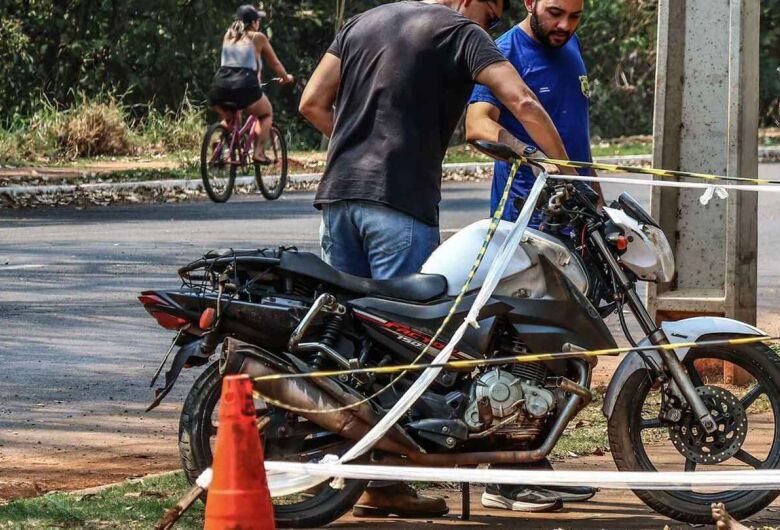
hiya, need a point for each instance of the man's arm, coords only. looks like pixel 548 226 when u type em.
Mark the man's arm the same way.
pixel 320 94
pixel 507 85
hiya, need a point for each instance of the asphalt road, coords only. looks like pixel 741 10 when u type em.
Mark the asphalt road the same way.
pixel 77 350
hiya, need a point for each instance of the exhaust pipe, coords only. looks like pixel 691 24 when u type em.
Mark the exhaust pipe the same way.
pixel 315 395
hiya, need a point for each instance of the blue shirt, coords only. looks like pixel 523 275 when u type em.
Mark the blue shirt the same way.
pixel 559 79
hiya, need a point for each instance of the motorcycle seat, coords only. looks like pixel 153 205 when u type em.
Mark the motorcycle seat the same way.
pixel 414 287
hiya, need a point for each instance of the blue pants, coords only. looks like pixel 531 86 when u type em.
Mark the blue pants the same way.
pixel 373 240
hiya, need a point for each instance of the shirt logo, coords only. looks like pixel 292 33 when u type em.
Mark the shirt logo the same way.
pixel 585 86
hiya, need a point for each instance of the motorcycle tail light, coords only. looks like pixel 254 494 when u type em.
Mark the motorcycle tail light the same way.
pixel 207 318
pixel 152 299
pixel 169 321
pixel 621 243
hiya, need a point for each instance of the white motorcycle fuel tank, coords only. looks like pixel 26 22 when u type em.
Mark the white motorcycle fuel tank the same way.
pixel 454 258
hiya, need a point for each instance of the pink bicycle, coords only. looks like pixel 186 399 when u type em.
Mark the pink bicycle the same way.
pixel 226 150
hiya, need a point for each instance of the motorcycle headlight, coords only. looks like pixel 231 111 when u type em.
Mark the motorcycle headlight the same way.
pixel 663 250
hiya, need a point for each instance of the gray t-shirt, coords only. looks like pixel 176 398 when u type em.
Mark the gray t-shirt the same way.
pixel 407 70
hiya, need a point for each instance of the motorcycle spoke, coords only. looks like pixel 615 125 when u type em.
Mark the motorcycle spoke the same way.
pixel 690 465
pixel 654 423
pixel 212 430
pixel 752 396
pixel 747 458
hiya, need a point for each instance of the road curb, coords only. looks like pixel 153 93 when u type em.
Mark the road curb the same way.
pixel 12 193
pixel 196 184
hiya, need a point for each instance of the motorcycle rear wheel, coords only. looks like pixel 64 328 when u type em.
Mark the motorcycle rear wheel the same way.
pixel 631 448
pixel 197 432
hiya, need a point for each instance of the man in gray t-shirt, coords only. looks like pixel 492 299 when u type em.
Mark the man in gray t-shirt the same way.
pixel 389 93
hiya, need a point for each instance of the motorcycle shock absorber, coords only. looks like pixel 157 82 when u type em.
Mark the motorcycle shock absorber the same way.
pixel 330 336
pixel 332 328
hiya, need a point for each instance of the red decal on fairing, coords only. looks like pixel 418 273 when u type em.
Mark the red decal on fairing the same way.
pixel 407 335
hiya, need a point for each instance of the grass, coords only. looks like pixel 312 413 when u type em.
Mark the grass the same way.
pixel 586 434
pixel 131 506
pixel 99 127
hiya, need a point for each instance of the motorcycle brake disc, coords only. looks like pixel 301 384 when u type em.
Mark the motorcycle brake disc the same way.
pixel 695 444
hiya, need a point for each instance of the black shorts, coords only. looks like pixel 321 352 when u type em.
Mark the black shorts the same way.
pixel 236 86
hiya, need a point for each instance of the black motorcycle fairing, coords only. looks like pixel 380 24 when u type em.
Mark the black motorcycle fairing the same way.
pixel 546 324
pixel 635 210
pixel 414 324
pixel 414 287
pixel 279 320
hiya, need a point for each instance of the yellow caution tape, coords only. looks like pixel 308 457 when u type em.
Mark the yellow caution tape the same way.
pixel 645 171
pixel 515 359
pixel 525 358
pixel 494 222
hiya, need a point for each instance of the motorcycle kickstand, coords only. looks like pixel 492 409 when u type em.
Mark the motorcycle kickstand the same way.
pixel 465 501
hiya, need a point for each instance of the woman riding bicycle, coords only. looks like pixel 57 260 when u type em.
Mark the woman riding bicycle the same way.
pixel 237 82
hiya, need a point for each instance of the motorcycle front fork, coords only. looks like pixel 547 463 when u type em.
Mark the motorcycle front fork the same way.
pixel 656 336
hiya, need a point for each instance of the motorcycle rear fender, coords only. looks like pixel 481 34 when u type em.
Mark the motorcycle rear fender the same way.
pixel 687 330
pixel 191 349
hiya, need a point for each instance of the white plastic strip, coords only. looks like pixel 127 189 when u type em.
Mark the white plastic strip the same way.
pixel 672 184
pixel 286 483
pixel 764 479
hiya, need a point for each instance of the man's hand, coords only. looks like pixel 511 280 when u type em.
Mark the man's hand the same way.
pixel 528 151
pixel 507 85
pixel 286 79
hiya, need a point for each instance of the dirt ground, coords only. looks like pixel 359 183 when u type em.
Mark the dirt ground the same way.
pixel 77 463
pixel 74 460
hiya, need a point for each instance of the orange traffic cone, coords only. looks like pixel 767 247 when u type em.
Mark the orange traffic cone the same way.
pixel 238 497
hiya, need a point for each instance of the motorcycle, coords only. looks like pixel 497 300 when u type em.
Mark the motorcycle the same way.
pixel 284 311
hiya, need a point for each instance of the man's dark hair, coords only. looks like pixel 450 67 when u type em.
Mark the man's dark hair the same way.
pixel 507 4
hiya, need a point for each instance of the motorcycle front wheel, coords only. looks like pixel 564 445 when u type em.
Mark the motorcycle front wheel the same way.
pixel 286 436
pixel 748 435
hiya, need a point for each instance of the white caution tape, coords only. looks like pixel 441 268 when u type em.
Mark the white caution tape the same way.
pixel 672 184
pixel 287 478
pixel 764 479
pixel 293 482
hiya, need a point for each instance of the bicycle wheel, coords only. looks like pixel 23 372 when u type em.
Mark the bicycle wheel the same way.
pixel 216 169
pixel 272 179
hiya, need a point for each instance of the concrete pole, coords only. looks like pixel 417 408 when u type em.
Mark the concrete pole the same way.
pixel 706 119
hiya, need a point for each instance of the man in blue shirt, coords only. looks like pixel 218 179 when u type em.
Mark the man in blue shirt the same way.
pixel 546 53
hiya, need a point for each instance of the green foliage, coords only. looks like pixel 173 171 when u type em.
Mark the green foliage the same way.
pixel 769 94
pixel 618 41
pixel 90 127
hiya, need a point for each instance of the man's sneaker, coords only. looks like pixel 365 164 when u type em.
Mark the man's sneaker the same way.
pixel 566 493
pixel 569 493
pixel 521 500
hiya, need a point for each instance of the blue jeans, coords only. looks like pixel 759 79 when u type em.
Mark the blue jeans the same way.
pixel 374 241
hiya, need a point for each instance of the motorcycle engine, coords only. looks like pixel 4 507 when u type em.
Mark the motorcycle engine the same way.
pixel 498 394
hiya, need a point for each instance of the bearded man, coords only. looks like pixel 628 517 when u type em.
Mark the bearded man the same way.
pixel 546 53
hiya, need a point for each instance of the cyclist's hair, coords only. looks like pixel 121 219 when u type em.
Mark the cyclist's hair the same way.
pixel 237 30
